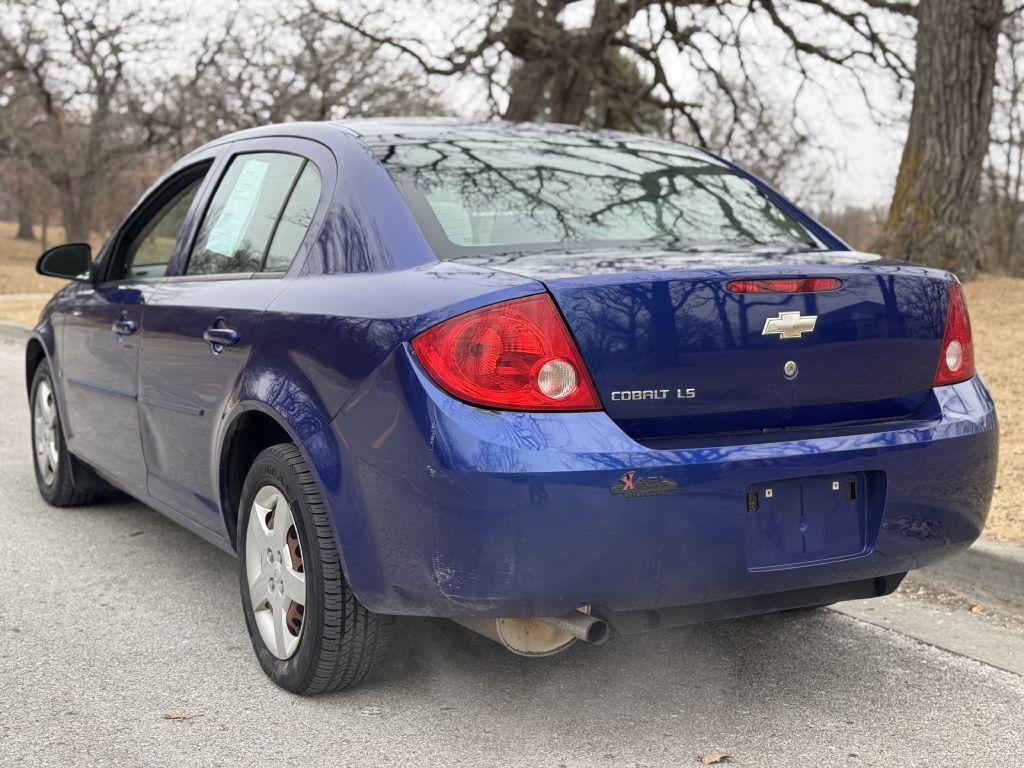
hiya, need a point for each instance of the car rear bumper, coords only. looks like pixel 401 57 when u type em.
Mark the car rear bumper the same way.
pixel 449 510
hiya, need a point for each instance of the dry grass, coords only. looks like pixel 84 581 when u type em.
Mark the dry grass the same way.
pixel 18 261
pixel 18 273
pixel 998 333
pixel 995 304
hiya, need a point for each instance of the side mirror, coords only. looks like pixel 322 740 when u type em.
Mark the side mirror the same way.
pixel 72 262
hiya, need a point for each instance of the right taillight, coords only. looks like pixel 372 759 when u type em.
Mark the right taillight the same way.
pixel 956 361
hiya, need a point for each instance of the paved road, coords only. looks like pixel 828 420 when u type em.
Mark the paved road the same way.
pixel 111 617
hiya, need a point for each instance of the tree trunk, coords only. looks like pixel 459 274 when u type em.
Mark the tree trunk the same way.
pixel 574 89
pixel 24 203
pixel 573 93
pixel 931 219
pixel 529 31
pixel 555 78
pixel 527 91
pixel 76 212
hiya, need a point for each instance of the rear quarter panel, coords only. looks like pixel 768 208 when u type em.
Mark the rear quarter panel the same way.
pixel 323 335
pixel 368 282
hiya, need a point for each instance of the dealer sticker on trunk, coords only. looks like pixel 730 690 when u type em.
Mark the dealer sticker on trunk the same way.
pixel 630 486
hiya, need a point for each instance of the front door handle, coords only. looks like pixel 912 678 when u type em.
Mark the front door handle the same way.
pixel 219 337
pixel 124 327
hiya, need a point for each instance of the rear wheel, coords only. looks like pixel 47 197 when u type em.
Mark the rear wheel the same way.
pixel 62 481
pixel 310 633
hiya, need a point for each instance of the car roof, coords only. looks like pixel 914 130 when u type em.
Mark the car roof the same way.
pixel 374 130
pixel 370 127
pixel 378 130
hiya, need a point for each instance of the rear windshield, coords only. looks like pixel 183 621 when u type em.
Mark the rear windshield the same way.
pixel 495 192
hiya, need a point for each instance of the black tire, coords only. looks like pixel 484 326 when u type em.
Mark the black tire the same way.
pixel 72 483
pixel 340 640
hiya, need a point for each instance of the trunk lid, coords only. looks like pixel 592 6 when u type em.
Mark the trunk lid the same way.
pixel 675 353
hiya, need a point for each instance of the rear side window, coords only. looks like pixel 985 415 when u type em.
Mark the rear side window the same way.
pixel 252 201
pixel 295 221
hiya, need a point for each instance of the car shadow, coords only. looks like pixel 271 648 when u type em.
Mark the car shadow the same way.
pixel 793 656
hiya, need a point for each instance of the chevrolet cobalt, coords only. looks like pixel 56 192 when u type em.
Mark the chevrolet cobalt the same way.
pixel 553 384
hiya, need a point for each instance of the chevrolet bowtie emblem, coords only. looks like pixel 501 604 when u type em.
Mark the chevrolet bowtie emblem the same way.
pixel 789 325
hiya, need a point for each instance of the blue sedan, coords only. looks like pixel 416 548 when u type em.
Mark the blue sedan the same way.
pixel 553 384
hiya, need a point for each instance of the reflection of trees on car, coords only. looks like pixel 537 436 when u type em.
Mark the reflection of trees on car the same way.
pixel 487 191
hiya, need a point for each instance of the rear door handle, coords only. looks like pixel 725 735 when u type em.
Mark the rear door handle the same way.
pixel 219 338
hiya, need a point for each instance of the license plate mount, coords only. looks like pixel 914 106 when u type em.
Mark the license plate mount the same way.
pixel 805 520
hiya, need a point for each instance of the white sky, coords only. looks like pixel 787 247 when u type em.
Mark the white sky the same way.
pixel 867 154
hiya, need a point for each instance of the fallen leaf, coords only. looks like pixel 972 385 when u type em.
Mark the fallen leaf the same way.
pixel 976 609
pixel 713 758
pixel 179 716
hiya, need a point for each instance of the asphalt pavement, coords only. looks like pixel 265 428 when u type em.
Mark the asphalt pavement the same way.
pixel 122 643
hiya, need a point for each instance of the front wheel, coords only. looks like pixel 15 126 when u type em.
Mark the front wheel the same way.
pixel 62 482
pixel 310 633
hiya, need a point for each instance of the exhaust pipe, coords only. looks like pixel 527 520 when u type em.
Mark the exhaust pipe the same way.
pixel 580 625
pixel 541 636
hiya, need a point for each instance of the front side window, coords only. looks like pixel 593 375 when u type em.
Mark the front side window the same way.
pixel 242 217
pixel 150 251
pixel 485 191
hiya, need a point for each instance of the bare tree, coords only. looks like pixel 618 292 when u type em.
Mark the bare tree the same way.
pixel 279 66
pixel 97 99
pixel 563 60
pixel 1002 201
pixel 70 64
pixel 932 217
pixel 21 185
pixel 703 72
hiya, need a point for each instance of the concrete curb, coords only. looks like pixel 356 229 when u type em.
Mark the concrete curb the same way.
pixel 990 570
pixel 14 332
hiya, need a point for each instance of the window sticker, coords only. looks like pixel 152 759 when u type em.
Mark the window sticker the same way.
pixel 238 209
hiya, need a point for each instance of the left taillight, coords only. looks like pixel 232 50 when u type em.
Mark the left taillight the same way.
pixel 515 355
pixel 956 360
